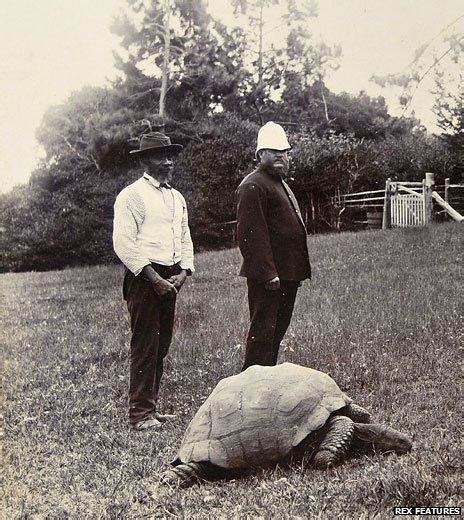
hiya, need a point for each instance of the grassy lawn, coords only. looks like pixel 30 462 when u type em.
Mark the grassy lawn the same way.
pixel 383 315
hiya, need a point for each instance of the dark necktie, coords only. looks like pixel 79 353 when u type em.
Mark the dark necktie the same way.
pixel 165 185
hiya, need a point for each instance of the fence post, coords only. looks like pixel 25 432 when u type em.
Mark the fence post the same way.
pixel 424 206
pixel 429 186
pixel 386 220
pixel 447 183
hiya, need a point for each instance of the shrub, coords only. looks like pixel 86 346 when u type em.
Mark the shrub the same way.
pixel 64 215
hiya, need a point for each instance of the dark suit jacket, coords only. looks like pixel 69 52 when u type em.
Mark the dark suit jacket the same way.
pixel 270 231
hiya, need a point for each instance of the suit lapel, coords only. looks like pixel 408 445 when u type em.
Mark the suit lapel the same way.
pixel 293 201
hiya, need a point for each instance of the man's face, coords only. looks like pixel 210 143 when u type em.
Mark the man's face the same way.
pixel 160 167
pixel 276 159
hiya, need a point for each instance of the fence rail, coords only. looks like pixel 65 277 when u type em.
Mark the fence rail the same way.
pixel 362 199
pixel 404 203
pixel 401 204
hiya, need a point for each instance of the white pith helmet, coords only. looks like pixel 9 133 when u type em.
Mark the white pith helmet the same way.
pixel 272 136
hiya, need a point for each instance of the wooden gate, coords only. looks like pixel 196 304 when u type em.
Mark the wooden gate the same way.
pixel 408 209
pixel 404 204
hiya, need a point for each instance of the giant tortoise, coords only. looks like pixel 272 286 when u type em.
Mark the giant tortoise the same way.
pixel 259 416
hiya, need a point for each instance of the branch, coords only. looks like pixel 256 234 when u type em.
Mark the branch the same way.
pixel 176 48
pixel 159 26
pixel 148 123
pixel 95 162
pixel 138 95
pixel 259 112
pixel 84 157
pixel 427 44
pixel 434 64
pixel 325 105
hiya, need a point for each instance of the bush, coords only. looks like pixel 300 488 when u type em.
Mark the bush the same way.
pixel 64 215
pixel 331 164
pixel 208 173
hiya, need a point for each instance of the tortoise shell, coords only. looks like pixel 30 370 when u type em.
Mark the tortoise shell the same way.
pixel 258 416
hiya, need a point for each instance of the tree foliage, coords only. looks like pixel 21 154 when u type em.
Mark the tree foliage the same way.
pixel 298 62
pixel 205 58
pixel 449 104
pixel 63 216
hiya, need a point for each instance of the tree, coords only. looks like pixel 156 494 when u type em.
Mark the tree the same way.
pixel 278 71
pixel 444 50
pixel 449 102
pixel 208 173
pixel 212 73
pixel 264 78
pixel 89 133
pixel 64 215
pixel 442 58
pixel 308 62
pixel 178 40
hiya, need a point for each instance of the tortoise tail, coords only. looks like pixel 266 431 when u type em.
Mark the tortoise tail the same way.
pixel 183 475
pixel 336 442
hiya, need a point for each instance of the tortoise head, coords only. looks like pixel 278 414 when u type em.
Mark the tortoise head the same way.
pixel 379 437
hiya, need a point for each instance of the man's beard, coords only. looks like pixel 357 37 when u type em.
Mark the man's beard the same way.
pixel 270 169
pixel 162 175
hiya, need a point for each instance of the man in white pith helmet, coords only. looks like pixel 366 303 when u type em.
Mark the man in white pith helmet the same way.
pixel 272 239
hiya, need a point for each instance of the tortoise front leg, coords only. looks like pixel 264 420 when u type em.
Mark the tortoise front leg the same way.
pixel 185 475
pixel 336 442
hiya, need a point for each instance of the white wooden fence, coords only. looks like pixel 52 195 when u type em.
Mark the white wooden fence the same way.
pixel 404 204
pixel 407 204
pixel 407 210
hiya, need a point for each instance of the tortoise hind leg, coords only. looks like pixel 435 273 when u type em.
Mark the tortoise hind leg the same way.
pixel 356 413
pixel 336 442
pixel 185 475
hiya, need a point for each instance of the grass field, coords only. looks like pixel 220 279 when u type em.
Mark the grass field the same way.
pixel 383 316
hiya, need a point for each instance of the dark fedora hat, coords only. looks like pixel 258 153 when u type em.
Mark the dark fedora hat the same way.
pixel 156 143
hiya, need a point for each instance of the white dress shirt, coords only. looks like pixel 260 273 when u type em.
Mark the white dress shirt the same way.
pixel 151 225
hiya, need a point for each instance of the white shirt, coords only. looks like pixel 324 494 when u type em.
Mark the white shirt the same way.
pixel 151 225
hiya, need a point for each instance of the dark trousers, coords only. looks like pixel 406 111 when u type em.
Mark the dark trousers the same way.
pixel 270 315
pixel 152 320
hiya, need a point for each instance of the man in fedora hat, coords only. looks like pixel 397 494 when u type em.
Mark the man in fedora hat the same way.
pixel 272 239
pixel 151 237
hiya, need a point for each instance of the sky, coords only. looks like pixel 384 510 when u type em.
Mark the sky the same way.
pixel 49 48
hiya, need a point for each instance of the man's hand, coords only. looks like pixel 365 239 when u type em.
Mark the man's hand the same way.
pixel 164 288
pixel 178 279
pixel 272 285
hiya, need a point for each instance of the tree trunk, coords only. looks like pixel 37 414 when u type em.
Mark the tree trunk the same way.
pixel 260 65
pixel 165 71
pixel 326 111
pixel 260 49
